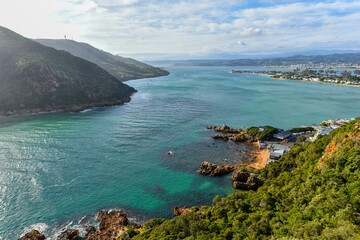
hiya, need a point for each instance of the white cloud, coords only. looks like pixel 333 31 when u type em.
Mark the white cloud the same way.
pixel 195 28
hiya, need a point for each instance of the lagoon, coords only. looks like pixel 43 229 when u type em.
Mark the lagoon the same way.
pixel 58 169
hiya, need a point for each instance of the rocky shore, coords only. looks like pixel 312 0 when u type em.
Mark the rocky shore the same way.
pixel 75 108
pixel 113 225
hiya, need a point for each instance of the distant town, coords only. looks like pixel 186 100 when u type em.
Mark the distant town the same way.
pixel 327 76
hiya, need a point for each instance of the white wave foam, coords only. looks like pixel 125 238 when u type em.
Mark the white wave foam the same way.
pixel 41 227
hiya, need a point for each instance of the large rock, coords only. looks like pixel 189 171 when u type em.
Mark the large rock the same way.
pixel 33 235
pixel 89 230
pixel 111 225
pixel 252 183
pixel 70 234
pixel 182 211
pixel 240 175
pixel 220 136
pixel 222 170
pixel 207 168
pixel 238 138
pixel 211 169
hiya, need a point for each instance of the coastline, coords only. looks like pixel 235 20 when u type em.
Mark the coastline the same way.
pixel 260 157
pixel 340 84
pixel 75 108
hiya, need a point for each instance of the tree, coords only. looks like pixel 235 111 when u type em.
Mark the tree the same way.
pixel 302 139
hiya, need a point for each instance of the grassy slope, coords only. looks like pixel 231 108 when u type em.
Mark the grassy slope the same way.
pixel 122 68
pixel 33 76
pixel 312 192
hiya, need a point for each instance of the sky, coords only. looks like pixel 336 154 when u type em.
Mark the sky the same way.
pixel 190 29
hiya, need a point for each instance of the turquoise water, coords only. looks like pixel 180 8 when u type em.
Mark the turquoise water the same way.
pixel 57 170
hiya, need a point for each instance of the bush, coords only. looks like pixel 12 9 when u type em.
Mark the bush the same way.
pixel 266 134
pixel 302 139
pixel 301 129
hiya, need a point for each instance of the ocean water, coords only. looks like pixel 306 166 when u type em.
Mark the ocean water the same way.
pixel 57 170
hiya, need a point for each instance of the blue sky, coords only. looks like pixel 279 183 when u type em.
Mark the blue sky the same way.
pixel 184 29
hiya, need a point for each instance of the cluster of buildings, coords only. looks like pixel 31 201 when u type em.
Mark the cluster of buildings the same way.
pixel 327 126
pixel 286 139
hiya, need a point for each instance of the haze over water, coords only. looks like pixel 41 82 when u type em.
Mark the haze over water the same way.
pixel 59 169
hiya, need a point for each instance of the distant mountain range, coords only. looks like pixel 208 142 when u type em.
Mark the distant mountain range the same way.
pixel 120 67
pixel 36 78
pixel 332 59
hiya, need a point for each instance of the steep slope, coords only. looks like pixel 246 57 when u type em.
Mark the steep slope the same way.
pixel 122 68
pixel 312 192
pixel 36 78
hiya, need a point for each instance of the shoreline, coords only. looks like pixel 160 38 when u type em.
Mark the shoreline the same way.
pixel 271 76
pixel 76 108
pixel 260 157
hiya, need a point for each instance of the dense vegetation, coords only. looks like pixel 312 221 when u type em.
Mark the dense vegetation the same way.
pixel 301 129
pixel 122 68
pixel 312 192
pixel 332 59
pixel 262 134
pixel 36 78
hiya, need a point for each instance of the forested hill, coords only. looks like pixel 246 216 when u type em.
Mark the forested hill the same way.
pixel 35 78
pixel 348 59
pixel 312 192
pixel 122 68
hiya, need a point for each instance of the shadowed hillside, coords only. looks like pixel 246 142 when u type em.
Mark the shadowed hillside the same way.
pixel 122 68
pixel 35 78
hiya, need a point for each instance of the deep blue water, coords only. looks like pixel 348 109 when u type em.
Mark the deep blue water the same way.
pixel 57 170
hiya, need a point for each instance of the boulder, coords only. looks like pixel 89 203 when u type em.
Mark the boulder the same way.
pixel 224 128
pixel 220 136
pixel 111 225
pixel 238 138
pixel 111 219
pixel 70 234
pixel 88 231
pixel 240 175
pixel 211 169
pixel 33 235
pixel 251 184
pixel 207 168
pixel 222 170
pixel 208 127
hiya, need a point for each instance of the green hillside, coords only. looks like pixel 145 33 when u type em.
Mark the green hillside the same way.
pixel 122 68
pixel 312 192
pixel 35 78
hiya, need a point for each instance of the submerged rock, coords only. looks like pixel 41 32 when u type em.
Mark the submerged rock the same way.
pixel 33 235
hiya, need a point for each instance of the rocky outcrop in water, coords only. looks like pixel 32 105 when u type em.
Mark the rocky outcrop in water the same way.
pixel 211 169
pixel 111 225
pixel 220 136
pixel 33 235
